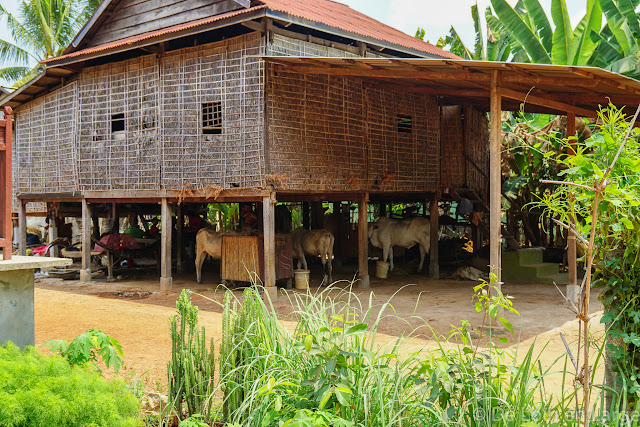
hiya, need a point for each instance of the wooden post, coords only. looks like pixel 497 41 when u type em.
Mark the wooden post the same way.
pixel 96 226
pixel 495 183
pixel 6 188
pixel 337 245
pixel 306 215
pixel 363 241
pixel 269 225
pixel 53 232
pixel 434 264
pixel 166 281
pixel 85 271
pixel 22 228
pixel 116 221
pixel 179 224
pixel 573 289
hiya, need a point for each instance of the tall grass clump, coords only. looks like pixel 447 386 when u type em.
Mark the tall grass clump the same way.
pixel 331 367
pixel 37 390
pixel 192 365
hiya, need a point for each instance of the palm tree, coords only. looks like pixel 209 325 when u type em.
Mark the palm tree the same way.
pixel 43 29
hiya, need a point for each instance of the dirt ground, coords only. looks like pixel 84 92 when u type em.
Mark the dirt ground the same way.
pixel 134 312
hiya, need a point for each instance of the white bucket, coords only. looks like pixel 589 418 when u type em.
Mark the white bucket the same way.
pixel 382 269
pixel 301 279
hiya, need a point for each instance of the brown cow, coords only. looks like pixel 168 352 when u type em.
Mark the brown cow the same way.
pixel 314 243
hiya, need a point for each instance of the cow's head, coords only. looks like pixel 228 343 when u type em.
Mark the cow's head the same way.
pixel 373 232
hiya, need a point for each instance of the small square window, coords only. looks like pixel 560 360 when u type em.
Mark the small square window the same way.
pixel 404 123
pixel 212 118
pixel 117 122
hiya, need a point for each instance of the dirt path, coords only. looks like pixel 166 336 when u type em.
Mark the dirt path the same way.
pixel 138 316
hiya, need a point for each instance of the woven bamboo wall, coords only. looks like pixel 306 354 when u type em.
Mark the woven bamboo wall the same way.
pixel 45 146
pixel 128 160
pixel 452 161
pixel 65 142
pixel 476 133
pixel 227 71
pixel 334 134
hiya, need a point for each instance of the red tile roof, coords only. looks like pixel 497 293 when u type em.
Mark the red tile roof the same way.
pixel 327 12
pixel 341 16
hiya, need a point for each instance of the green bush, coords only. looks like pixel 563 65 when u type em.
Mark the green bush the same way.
pixel 37 390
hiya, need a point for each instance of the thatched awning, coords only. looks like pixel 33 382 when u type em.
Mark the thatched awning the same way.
pixel 554 89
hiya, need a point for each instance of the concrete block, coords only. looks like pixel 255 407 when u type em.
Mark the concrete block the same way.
pixel 17 322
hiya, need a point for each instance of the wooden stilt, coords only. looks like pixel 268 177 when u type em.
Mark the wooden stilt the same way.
pixel 22 228
pixel 434 263
pixel 52 221
pixel 269 225
pixel 116 220
pixel 166 281
pixel 306 215
pixel 495 182
pixel 363 242
pixel 337 245
pixel 85 272
pixel 95 229
pixel 179 251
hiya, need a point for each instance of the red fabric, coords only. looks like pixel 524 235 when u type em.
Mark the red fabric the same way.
pixel 118 241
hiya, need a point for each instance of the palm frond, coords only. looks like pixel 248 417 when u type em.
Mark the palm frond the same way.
pixel 15 74
pixel 12 54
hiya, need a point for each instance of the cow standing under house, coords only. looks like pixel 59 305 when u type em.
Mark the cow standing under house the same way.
pixel 387 233
pixel 314 243
pixel 208 242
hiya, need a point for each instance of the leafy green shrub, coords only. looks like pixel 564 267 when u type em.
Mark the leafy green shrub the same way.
pixel 86 348
pixel 37 390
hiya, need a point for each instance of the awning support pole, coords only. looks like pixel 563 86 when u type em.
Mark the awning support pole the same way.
pixel 495 182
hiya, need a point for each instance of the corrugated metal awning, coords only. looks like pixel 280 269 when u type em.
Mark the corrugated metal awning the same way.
pixel 543 88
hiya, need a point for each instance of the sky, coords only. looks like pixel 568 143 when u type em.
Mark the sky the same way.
pixel 435 16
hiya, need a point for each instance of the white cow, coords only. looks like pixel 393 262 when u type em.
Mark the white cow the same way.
pixel 387 233
pixel 208 242
pixel 314 243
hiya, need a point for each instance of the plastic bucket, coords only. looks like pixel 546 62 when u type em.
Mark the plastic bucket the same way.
pixel 382 269
pixel 301 278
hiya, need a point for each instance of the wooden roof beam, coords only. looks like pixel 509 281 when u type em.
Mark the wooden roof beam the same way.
pixel 546 102
pixel 604 80
pixel 318 62
pixel 406 65
pixel 360 64
pixel 437 75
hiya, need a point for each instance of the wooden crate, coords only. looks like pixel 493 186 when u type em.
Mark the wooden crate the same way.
pixel 242 256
